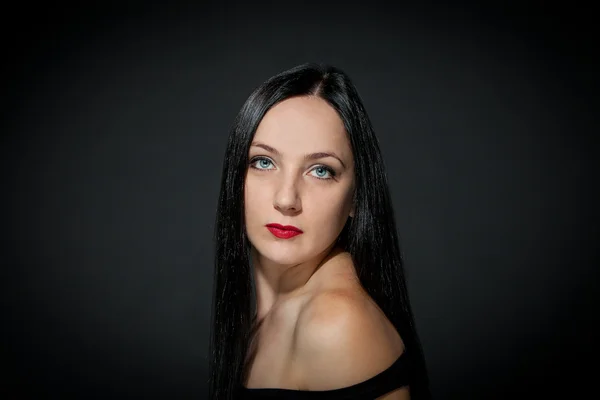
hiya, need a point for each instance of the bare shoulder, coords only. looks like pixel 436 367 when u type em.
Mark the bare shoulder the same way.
pixel 342 338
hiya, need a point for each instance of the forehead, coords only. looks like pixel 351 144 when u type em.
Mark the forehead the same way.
pixel 304 124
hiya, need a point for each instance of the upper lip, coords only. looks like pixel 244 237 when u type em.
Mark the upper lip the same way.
pixel 285 227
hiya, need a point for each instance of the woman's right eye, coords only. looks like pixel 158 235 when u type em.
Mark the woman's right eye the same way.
pixel 261 163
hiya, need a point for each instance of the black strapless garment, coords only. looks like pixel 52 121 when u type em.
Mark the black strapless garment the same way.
pixel 394 377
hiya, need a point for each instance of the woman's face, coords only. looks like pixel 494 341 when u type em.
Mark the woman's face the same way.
pixel 301 173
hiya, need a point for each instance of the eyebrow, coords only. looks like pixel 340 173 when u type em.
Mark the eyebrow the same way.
pixel 312 156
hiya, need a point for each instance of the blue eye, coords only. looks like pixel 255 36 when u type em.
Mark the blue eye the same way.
pixel 261 163
pixel 323 172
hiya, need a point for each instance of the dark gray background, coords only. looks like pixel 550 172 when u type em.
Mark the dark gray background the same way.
pixel 115 119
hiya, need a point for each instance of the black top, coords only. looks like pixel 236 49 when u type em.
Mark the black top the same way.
pixel 396 376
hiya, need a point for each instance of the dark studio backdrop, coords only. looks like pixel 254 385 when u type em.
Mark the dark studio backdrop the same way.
pixel 115 119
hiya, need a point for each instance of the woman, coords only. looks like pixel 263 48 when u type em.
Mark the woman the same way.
pixel 310 299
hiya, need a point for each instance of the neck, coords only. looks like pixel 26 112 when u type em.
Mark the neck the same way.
pixel 276 282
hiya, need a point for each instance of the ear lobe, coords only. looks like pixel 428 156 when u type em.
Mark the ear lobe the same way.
pixel 352 208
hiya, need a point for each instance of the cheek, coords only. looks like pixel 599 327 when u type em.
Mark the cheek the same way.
pixel 332 209
pixel 255 198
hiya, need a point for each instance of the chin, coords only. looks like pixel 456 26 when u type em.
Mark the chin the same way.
pixel 282 252
pixel 287 251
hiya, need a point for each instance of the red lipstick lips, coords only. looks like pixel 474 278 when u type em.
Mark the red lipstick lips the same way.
pixel 283 231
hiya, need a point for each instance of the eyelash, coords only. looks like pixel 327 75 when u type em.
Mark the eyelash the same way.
pixel 326 168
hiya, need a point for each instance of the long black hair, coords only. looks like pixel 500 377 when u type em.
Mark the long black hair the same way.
pixel 370 236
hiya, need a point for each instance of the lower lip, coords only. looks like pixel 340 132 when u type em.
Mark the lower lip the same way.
pixel 283 233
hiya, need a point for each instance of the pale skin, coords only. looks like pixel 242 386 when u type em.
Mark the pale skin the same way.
pixel 316 328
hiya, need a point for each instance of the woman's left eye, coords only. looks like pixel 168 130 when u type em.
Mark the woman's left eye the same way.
pixel 322 172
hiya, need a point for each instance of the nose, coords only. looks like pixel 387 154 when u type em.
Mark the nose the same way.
pixel 287 197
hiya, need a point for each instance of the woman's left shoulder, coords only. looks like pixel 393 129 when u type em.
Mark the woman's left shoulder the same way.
pixel 342 338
